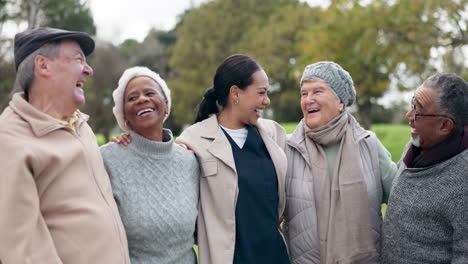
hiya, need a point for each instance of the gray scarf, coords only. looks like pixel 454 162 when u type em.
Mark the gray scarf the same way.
pixel 341 199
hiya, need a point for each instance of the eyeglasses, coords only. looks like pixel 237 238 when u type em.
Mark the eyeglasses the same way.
pixel 415 115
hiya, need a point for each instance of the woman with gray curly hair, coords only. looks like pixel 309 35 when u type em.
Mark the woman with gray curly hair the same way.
pixel 338 175
pixel 154 181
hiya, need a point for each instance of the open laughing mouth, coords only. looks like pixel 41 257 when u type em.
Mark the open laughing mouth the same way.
pixel 144 111
pixel 259 112
pixel 80 84
pixel 311 111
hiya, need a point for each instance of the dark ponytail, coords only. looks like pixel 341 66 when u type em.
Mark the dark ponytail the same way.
pixel 235 70
pixel 207 106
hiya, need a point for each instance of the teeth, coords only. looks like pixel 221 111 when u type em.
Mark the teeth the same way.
pixel 147 110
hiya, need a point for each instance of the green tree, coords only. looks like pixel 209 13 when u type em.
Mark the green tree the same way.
pixel 9 10
pixel 152 52
pixel 68 14
pixel 276 45
pixel 207 35
pixel 380 41
pixel 7 79
pixel 108 66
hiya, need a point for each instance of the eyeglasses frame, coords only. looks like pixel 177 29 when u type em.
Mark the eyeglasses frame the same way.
pixel 415 115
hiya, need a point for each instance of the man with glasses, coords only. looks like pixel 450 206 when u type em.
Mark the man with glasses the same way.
pixel 427 216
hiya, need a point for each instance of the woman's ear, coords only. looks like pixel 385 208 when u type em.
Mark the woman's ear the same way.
pixel 341 108
pixel 128 124
pixel 234 90
pixel 234 94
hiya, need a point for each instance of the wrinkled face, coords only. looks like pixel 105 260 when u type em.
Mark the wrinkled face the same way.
pixel 425 130
pixel 144 105
pixel 253 99
pixel 69 72
pixel 319 103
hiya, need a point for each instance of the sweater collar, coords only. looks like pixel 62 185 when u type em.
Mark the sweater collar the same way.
pixel 150 147
pixel 445 150
pixel 41 124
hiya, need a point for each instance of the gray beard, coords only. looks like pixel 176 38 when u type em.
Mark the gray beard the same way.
pixel 416 141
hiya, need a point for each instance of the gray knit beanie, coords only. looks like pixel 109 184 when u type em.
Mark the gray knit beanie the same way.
pixel 118 94
pixel 338 79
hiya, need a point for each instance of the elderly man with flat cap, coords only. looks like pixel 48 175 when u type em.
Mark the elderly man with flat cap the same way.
pixel 56 200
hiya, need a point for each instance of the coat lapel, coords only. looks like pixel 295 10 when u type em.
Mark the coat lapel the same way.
pixel 220 147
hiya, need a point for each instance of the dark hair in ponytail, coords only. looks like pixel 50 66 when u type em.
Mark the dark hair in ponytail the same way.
pixel 235 70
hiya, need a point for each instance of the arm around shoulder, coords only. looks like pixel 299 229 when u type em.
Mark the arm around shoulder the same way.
pixel 189 137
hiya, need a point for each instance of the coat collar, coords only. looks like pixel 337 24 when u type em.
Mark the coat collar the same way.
pixel 296 140
pixel 40 123
pixel 218 147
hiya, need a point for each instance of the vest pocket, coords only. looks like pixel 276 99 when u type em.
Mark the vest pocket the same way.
pixel 209 168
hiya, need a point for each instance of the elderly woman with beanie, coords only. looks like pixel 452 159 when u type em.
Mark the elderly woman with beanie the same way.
pixel 338 175
pixel 155 182
pixel 243 168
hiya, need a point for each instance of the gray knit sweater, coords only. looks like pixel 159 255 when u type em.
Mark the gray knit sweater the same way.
pixel 155 185
pixel 427 216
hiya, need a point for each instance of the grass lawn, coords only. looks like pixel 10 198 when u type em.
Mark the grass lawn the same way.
pixel 100 139
pixel 393 137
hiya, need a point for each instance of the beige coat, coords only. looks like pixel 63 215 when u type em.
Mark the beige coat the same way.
pixel 218 184
pixel 56 201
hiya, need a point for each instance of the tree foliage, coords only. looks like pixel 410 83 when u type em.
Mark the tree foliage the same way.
pixel 381 43
pixel 67 14
pixel 276 44
pixel 107 65
pixel 7 79
pixel 205 37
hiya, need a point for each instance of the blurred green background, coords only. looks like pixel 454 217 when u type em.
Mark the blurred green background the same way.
pixel 388 47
